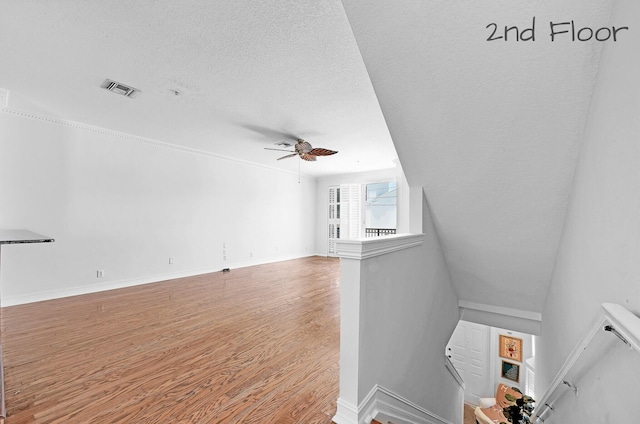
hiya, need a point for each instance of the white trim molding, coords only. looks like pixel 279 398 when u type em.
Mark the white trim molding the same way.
pixel 498 316
pixel 519 313
pixel 126 136
pixel 377 246
pixel 118 284
pixel 346 413
pixel 384 405
pixel 454 372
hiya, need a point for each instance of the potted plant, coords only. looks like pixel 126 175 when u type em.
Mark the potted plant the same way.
pixel 520 411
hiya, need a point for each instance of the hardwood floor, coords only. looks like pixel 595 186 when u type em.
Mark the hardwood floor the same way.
pixel 255 345
pixel 469 415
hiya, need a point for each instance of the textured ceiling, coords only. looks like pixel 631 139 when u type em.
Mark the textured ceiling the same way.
pixel 490 129
pixel 245 73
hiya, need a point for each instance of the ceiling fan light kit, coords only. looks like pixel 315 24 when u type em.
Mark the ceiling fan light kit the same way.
pixel 304 149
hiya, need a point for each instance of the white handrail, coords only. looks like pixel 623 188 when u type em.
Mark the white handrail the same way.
pixel 454 372
pixel 615 324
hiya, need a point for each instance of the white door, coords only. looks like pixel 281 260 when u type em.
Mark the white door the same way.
pixel 469 352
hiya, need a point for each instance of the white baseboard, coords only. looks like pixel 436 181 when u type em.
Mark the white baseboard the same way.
pixel 384 406
pixel 8 300
pixel 346 413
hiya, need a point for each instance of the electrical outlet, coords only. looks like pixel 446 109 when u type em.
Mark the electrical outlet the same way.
pixel 171 260
pixel 100 273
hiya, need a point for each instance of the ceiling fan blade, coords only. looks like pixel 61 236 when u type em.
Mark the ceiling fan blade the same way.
pixel 322 152
pixel 279 150
pixel 288 156
pixel 308 156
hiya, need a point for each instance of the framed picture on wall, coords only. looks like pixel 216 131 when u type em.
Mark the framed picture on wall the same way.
pixel 510 348
pixel 510 371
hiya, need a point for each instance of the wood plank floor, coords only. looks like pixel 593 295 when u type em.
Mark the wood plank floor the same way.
pixel 255 345
pixel 469 414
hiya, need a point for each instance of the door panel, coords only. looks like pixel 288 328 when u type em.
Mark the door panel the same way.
pixel 459 350
pixel 470 355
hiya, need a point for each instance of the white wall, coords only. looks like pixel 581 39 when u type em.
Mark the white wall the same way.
pixel 411 310
pixel 124 205
pixel 598 258
pixel 398 312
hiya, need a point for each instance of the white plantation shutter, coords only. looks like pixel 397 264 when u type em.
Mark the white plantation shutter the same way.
pixel 530 377
pixel 351 204
pixel 334 219
pixel 345 214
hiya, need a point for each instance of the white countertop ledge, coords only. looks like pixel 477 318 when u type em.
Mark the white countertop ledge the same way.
pixel 365 248
pixel 22 236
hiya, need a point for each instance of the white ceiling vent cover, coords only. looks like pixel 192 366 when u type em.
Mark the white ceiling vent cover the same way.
pixel 119 88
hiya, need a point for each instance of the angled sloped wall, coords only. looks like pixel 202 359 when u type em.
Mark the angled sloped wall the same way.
pixel 597 260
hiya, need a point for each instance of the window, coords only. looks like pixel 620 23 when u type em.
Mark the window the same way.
pixel 357 209
pixel 381 205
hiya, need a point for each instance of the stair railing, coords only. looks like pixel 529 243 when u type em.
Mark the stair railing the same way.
pixel 615 324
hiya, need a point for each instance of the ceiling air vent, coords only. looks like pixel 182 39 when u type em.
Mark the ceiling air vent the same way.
pixel 119 88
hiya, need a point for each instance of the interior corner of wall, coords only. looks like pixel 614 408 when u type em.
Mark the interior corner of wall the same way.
pixel 415 209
